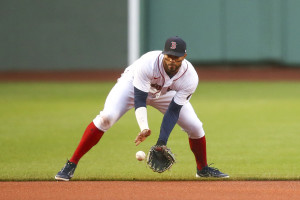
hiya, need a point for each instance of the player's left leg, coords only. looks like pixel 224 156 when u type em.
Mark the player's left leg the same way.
pixel 190 123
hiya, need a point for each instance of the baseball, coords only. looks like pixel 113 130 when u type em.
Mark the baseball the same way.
pixel 140 155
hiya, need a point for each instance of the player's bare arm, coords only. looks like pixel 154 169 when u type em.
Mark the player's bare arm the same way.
pixel 142 136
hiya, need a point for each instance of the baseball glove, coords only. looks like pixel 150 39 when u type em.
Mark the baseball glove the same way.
pixel 160 158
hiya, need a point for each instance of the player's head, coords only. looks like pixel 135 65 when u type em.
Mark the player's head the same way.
pixel 174 53
pixel 175 46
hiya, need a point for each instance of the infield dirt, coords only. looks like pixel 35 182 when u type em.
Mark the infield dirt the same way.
pixel 142 190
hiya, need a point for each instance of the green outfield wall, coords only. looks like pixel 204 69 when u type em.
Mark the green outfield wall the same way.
pixel 229 31
pixel 63 34
pixel 78 34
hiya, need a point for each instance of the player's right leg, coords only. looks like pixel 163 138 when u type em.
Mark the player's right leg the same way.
pixel 118 102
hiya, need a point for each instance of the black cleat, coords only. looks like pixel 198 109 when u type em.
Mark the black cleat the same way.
pixel 212 172
pixel 67 172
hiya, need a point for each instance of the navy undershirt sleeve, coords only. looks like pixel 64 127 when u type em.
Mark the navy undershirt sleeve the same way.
pixel 139 98
pixel 169 120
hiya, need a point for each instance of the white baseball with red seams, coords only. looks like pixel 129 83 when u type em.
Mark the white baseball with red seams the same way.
pixel 140 155
pixel 148 75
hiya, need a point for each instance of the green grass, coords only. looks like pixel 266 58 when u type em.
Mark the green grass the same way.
pixel 252 131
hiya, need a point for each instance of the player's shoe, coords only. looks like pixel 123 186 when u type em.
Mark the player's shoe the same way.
pixel 67 172
pixel 210 172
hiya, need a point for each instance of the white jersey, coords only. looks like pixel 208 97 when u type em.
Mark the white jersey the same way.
pixel 148 75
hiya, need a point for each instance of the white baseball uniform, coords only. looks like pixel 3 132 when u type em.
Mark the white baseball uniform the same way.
pixel 147 74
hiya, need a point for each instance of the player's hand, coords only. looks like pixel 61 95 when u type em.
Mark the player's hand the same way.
pixel 142 136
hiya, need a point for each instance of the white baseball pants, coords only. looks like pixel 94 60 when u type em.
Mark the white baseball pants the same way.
pixel 121 99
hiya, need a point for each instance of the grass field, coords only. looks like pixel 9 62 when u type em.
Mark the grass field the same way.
pixel 252 131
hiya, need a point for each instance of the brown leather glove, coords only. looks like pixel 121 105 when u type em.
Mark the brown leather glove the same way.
pixel 160 158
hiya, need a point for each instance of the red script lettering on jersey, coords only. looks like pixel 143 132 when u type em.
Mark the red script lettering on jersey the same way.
pixel 156 86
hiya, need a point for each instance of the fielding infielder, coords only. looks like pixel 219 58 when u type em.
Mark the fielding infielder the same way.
pixel 164 80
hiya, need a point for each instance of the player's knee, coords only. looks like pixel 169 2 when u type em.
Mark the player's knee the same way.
pixel 196 131
pixel 103 122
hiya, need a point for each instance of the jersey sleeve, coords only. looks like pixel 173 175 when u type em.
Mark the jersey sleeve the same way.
pixel 142 74
pixel 186 88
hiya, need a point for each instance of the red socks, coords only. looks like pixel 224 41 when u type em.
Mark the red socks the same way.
pixel 198 147
pixel 92 135
pixel 90 138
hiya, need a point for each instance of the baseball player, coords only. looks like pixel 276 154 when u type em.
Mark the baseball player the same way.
pixel 164 80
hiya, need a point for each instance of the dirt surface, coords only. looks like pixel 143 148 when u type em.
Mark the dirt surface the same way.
pixel 168 190
pixel 220 73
